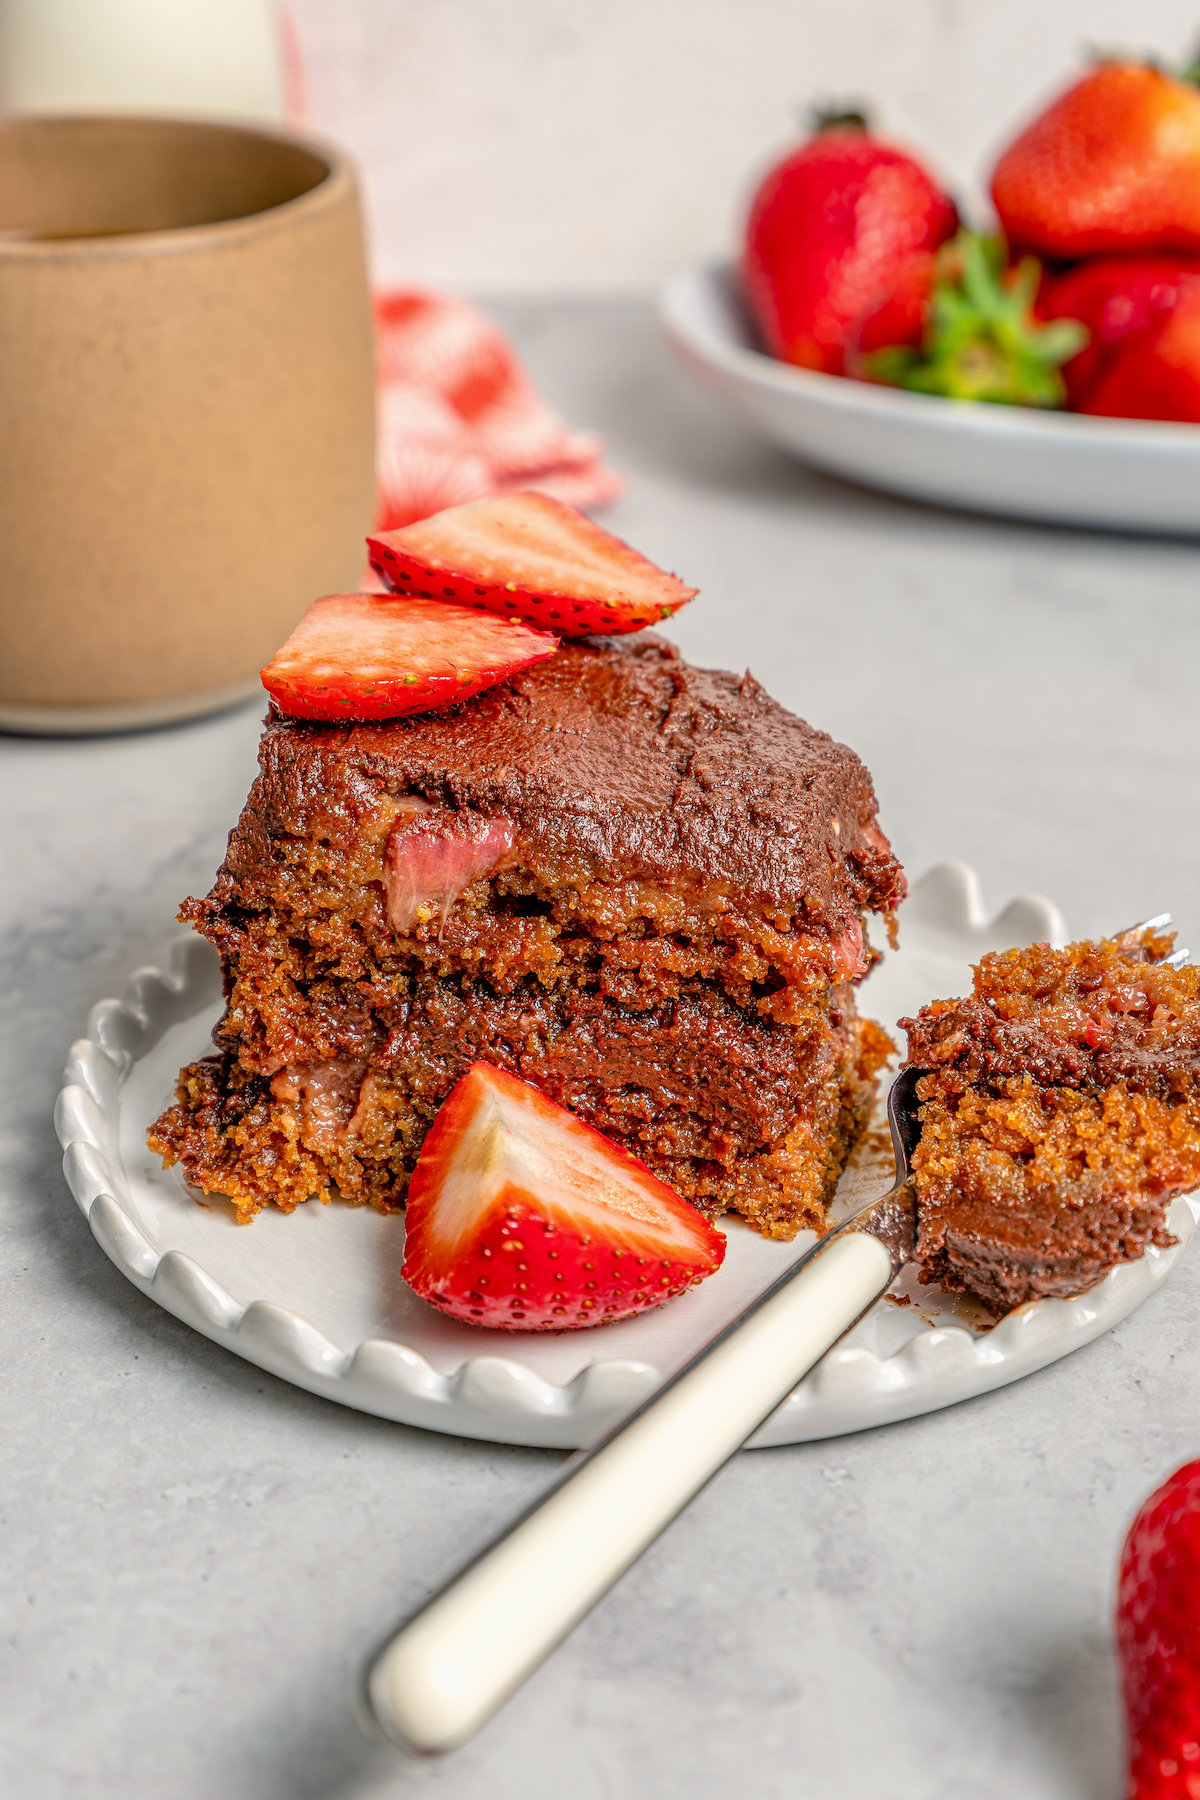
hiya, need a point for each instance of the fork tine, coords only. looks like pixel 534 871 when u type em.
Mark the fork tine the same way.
pixel 1158 923
pixel 1134 935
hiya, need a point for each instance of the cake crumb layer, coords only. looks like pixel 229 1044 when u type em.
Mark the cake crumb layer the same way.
pixel 1060 1114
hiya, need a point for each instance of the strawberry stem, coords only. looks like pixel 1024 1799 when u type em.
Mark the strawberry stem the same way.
pixel 981 339
pixel 830 117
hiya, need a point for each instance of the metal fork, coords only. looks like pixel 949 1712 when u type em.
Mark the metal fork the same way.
pixel 449 1668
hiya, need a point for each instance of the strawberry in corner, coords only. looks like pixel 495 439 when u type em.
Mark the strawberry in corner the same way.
pixel 1112 165
pixel 525 556
pixel 1158 1634
pixel 982 340
pixel 369 656
pixel 839 246
pixel 1155 374
pixel 522 1218
pixel 1117 299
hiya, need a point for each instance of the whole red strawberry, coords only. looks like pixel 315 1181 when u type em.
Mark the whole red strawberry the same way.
pixel 839 245
pixel 1156 373
pixel 1116 298
pixel 1112 165
pixel 1158 1634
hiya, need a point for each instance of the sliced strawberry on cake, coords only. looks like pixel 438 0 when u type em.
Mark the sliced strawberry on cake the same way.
pixel 523 1218
pixel 370 656
pixel 524 556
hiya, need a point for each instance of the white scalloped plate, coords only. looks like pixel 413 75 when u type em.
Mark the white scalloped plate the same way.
pixel 317 1297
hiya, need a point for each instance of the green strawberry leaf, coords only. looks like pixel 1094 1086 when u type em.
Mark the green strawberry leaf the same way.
pixel 982 341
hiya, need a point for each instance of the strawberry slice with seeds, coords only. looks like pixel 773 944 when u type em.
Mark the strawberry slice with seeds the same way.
pixel 369 656
pixel 523 1218
pixel 525 556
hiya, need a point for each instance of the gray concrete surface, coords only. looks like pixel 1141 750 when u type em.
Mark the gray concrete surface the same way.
pixel 195 1556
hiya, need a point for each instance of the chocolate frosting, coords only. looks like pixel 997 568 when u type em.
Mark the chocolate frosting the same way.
pixel 618 759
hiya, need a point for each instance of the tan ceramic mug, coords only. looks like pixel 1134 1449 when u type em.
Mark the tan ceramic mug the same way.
pixel 186 410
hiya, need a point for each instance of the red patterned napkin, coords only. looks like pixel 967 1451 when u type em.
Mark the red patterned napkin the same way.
pixel 459 419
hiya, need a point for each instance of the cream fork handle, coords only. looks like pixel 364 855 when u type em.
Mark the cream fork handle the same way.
pixel 451 1666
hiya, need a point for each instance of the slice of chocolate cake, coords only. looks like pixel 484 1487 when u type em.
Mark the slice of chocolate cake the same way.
pixel 1060 1114
pixel 638 885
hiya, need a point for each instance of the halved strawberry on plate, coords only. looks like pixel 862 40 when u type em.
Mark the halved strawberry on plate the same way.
pixel 371 656
pixel 523 1218
pixel 525 556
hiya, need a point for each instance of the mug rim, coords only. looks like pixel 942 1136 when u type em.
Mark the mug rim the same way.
pixel 337 180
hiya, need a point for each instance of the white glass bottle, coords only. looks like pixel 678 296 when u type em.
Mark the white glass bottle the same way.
pixel 200 57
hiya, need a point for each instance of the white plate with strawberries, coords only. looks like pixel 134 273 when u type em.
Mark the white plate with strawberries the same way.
pixel 1127 474
pixel 1045 363
pixel 316 1297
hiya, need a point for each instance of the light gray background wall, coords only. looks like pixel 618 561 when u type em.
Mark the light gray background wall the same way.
pixel 567 144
